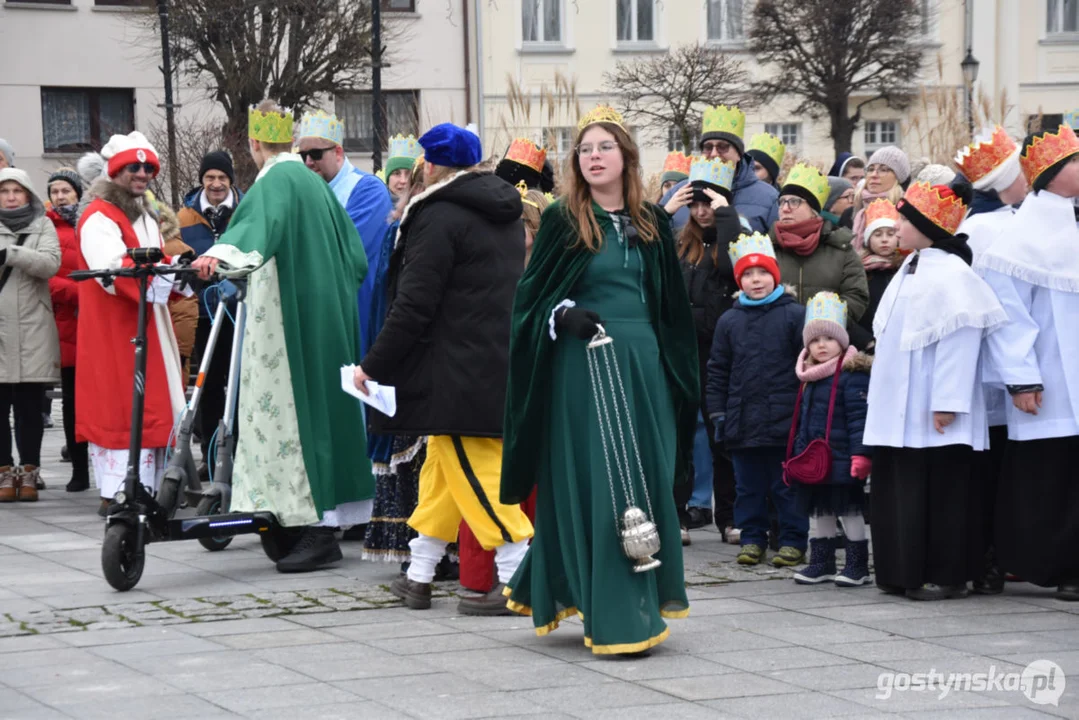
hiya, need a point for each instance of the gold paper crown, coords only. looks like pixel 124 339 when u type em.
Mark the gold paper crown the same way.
pixel 880 209
pixel 770 145
pixel 811 179
pixel 1046 151
pixel 525 152
pixel 724 119
pixel 678 162
pixel 523 189
pixel 269 127
pixel 550 197
pixel 944 212
pixel 755 244
pixel 601 114
pixel 992 147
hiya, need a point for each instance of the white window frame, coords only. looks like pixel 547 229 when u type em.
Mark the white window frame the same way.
pixel 1054 18
pixel 560 41
pixel 878 127
pixel 674 141
pixel 634 40
pixel 563 147
pixel 724 7
pixel 785 131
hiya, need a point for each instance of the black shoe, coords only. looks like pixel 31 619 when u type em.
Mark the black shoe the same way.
pixel 447 569
pixel 891 589
pixel 698 517
pixel 65 454
pixel 78 485
pixel 992 583
pixel 1068 590
pixel 316 548
pixel 356 533
pixel 417 596
pixel 491 604
pixel 932 591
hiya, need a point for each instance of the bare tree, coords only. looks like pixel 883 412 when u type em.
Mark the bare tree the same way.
pixel 824 52
pixel 294 51
pixel 194 138
pixel 671 90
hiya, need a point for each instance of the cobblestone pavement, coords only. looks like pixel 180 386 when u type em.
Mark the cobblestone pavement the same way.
pixel 222 635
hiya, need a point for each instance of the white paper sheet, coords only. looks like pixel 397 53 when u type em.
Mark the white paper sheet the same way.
pixel 382 397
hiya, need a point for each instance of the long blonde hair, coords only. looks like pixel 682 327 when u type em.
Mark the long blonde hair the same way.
pixel 578 197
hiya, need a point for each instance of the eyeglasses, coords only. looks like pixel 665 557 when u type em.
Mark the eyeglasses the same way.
pixel 717 146
pixel 605 147
pixel 315 154
pixel 792 202
pixel 878 169
pixel 133 168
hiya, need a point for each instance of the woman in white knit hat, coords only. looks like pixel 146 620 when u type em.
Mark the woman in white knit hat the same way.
pixel 886 176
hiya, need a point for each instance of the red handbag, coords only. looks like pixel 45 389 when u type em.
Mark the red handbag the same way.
pixel 813 465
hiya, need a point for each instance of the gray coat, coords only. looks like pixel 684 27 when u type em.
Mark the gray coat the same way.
pixel 29 345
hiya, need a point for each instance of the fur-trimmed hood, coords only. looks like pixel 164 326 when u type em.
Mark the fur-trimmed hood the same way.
pixel 861 363
pixel 132 206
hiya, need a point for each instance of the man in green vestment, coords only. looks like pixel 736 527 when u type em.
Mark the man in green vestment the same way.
pixel 302 435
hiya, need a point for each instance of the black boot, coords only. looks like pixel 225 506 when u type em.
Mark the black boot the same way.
pixel 992 581
pixel 932 591
pixel 78 484
pixel 316 548
pixel 356 533
pixel 856 570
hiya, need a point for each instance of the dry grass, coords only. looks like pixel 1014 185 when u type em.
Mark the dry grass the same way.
pixel 538 115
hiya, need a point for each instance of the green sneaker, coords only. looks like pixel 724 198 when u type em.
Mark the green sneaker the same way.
pixel 750 555
pixel 789 557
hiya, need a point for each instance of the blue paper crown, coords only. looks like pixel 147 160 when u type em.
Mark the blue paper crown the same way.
pixel 1072 119
pixel 755 244
pixel 405 146
pixel 714 171
pixel 322 125
pixel 826 306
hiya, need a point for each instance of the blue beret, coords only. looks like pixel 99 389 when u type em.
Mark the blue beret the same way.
pixel 451 146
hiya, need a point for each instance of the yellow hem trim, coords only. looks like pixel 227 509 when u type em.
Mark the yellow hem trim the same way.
pixel 626 647
pixel 674 614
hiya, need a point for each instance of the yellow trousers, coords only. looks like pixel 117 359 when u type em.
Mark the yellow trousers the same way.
pixel 460 480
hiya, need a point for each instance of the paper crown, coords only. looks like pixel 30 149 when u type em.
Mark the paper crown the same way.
pixel 1046 151
pixel 828 307
pixel 405 146
pixel 987 156
pixel 880 213
pixel 1071 119
pixel 755 244
pixel 944 212
pixel 527 153
pixel 714 172
pixel 323 125
pixel 811 180
pixel 725 120
pixel 269 127
pixel 678 162
pixel 601 114
pixel 523 189
pixel 770 145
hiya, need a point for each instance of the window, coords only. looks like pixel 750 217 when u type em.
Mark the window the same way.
pixel 47 2
pixel 674 141
pixel 559 142
pixel 636 20
pixel 542 21
pixel 879 133
pixel 725 20
pixel 399 5
pixel 400 114
pixel 925 12
pixel 1062 16
pixel 125 3
pixel 1044 121
pixel 789 133
pixel 81 119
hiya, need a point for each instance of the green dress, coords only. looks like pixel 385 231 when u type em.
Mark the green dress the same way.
pixel 575 564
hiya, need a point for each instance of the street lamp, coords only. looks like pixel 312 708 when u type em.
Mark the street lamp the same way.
pixel 970 75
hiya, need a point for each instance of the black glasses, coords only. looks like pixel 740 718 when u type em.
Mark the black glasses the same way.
pixel 718 146
pixel 135 167
pixel 315 154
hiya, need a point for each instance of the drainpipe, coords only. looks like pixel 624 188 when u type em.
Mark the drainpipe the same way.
pixel 480 119
pixel 468 79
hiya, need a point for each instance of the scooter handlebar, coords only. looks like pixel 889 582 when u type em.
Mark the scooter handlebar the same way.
pixel 131 272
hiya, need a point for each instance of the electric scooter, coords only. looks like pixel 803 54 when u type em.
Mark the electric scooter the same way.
pixel 136 517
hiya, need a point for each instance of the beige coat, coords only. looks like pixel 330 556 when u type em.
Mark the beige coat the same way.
pixel 29 345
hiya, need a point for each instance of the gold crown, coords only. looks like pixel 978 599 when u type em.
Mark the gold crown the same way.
pixel 811 179
pixel 946 212
pixel 990 150
pixel 601 114
pixel 1046 151
pixel 724 119
pixel 550 197
pixel 770 145
pixel 527 153
pixel 880 209
pixel 269 127
pixel 523 189
pixel 678 162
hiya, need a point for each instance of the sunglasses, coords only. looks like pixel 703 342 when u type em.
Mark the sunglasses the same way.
pixel 719 146
pixel 315 154
pixel 133 168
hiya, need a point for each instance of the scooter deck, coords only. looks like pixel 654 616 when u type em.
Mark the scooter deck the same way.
pixel 202 526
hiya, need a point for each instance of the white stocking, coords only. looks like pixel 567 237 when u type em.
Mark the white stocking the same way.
pixel 823 526
pixel 854 527
pixel 427 552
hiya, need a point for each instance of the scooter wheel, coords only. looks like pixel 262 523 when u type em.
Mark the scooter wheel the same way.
pixel 211 505
pixel 278 543
pixel 122 560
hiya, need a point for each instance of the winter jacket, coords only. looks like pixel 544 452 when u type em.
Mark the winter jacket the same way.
pixel 184 311
pixel 877 282
pixel 64 291
pixel 29 343
pixel 200 232
pixel 451 280
pixel 848 419
pixel 834 266
pixel 754 199
pixel 751 379
pixel 711 282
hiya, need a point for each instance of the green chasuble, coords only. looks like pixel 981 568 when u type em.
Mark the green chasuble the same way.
pixel 575 563
pixel 302 446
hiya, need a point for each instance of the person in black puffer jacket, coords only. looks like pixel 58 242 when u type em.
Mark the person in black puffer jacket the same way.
pixel 751 391
pixel 445 346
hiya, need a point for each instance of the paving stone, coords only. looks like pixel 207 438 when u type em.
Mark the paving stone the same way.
pixel 679 710
pixel 674 666
pixel 304 695
pixel 578 699
pixel 777 659
pixel 796 706
pixel 731 685
pixel 834 677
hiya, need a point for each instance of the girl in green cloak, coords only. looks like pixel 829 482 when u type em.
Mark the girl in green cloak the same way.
pixel 602 256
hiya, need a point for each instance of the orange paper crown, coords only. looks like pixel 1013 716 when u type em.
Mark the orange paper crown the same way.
pixel 1046 151
pixel 944 212
pixel 880 209
pixel 985 154
pixel 677 162
pixel 527 153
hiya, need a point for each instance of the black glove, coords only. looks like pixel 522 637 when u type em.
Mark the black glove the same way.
pixel 577 322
